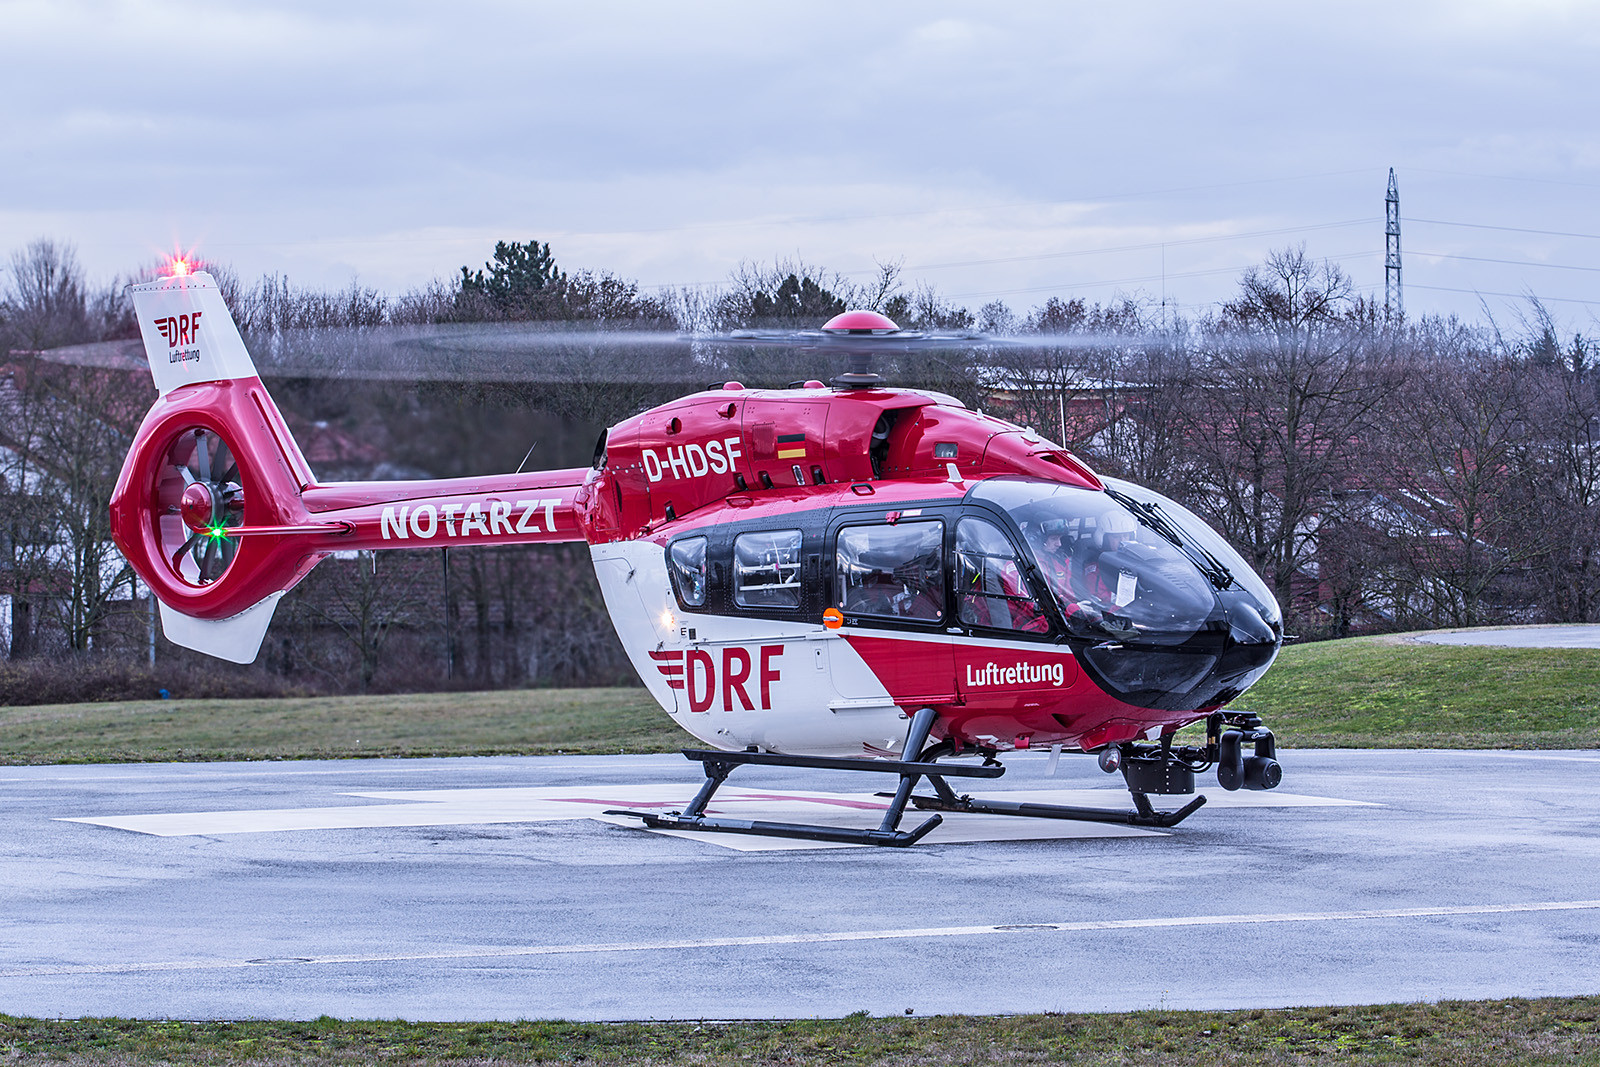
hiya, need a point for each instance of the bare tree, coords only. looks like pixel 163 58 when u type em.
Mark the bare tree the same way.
pixel 1292 296
pixel 363 602
pixel 1460 446
pixel 1059 385
pixel 1280 410
pixel 1143 395
pixel 922 308
pixel 63 431
pixel 1564 406
pixel 996 317
pixel 45 298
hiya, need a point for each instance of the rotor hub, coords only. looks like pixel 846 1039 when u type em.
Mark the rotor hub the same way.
pixel 198 507
pixel 868 323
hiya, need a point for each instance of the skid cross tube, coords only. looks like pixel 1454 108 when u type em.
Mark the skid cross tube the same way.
pixel 718 765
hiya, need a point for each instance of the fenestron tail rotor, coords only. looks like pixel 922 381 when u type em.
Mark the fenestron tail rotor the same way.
pixel 200 496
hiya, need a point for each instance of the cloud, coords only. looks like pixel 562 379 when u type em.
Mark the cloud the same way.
pixel 667 141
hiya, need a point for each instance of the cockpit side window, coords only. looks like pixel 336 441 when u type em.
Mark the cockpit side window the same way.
pixel 892 571
pixel 686 561
pixel 989 582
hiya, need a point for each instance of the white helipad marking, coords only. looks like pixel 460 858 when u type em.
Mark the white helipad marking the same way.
pixel 458 807
pixel 821 938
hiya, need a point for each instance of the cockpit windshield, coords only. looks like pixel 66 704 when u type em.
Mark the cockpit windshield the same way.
pixel 1130 570
pixel 1200 539
pixel 1127 563
pixel 1114 575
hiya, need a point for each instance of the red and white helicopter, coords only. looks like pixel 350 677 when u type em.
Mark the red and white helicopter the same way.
pixel 842 576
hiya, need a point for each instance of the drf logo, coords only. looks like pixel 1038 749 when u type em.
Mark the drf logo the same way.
pixel 180 329
pixel 696 674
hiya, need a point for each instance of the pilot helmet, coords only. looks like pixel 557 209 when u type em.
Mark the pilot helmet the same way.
pixel 1118 524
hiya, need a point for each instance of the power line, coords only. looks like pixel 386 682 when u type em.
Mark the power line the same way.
pixel 1506 177
pixel 1145 247
pixel 1512 296
pixel 1133 280
pixel 804 220
pixel 1511 262
pixel 923 212
pixel 1507 229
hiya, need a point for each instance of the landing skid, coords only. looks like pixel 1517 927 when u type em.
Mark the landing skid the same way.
pixel 719 765
pixel 1143 815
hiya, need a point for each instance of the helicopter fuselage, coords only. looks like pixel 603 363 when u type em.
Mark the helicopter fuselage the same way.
pixel 797 570
pixel 801 576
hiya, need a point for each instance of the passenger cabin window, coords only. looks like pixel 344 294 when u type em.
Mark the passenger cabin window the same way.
pixel 893 572
pixel 686 560
pixel 990 583
pixel 766 569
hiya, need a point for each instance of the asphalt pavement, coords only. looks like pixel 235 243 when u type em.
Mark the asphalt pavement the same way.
pixel 496 889
pixel 1582 636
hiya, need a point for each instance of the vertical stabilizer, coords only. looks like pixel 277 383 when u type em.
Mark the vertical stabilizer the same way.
pixel 189 336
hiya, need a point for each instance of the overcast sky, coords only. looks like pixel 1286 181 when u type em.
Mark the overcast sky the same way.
pixel 1002 151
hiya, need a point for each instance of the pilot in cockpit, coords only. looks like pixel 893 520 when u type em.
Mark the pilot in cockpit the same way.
pixel 1055 560
pixel 1072 564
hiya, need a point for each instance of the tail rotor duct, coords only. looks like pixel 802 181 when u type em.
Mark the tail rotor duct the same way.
pixel 200 496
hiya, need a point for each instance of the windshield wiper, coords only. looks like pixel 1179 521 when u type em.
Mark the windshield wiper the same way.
pixel 1152 516
pixel 1219 572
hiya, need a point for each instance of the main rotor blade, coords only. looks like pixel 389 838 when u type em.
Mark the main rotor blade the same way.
pixel 886 343
pixel 547 352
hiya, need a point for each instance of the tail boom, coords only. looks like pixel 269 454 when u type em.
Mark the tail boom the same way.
pixel 217 510
pixel 535 508
pixel 288 525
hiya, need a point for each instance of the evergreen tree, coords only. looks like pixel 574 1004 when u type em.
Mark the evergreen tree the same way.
pixel 518 277
pixel 796 300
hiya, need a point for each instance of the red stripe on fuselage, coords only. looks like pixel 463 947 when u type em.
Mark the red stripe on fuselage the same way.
pixel 999 692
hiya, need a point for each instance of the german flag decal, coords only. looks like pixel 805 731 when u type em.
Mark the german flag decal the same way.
pixel 792 446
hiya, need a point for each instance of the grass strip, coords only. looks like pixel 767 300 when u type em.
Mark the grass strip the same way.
pixel 1390 692
pixel 519 721
pixel 1366 692
pixel 1454 1033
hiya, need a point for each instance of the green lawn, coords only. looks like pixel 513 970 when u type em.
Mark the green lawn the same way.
pixel 1389 692
pixel 535 721
pixel 1361 693
pixel 1447 1034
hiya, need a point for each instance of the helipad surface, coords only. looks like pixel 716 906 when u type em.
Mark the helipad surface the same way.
pixel 1584 636
pixel 488 888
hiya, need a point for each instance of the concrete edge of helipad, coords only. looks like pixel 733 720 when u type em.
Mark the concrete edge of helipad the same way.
pixel 1486 635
